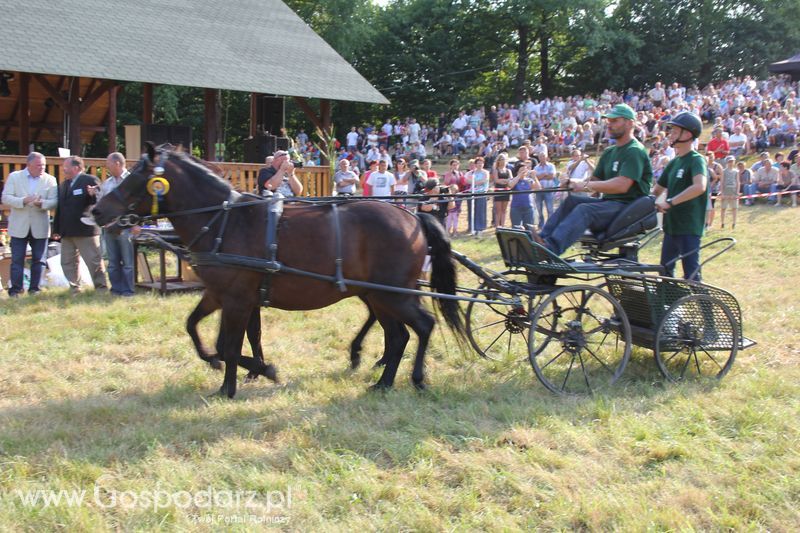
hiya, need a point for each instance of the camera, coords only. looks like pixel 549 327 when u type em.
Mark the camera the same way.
pixel 444 189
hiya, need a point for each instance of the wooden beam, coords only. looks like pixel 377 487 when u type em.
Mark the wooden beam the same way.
pixel 112 119
pixel 11 119
pixel 24 113
pixel 95 95
pixel 54 94
pixel 49 126
pixel 253 108
pixel 74 116
pixel 302 103
pixel 147 103
pixel 325 112
pixel 210 120
pixel 47 111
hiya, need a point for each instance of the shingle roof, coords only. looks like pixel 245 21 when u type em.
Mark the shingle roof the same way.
pixel 245 45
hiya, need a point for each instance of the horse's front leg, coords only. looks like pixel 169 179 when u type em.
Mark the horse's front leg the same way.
pixel 257 367
pixel 234 323
pixel 207 305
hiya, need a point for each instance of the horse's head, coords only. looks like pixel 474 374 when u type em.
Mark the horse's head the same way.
pixel 140 194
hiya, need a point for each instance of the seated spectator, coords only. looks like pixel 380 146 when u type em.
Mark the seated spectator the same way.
pixel 765 180
pixel 718 145
pixel 737 143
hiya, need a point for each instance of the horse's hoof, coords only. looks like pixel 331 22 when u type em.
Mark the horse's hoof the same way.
pixel 379 387
pixel 271 373
pixel 420 386
pixel 251 376
pixel 380 362
pixel 215 363
pixel 355 362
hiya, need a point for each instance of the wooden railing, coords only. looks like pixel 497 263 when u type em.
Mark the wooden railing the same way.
pixel 242 176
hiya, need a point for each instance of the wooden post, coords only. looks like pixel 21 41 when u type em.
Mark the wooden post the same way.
pixel 112 119
pixel 253 108
pixel 147 101
pixel 74 114
pixel 24 114
pixel 210 124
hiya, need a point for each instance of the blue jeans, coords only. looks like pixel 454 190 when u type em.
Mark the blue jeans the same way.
pixel 18 248
pixel 521 215
pixel 480 213
pixel 544 199
pixel 752 188
pixel 574 217
pixel 119 251
pixel 676 245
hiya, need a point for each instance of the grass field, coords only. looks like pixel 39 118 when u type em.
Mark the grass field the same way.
pixel 106 396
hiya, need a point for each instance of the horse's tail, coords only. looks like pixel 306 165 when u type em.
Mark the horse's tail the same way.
pixel 443 272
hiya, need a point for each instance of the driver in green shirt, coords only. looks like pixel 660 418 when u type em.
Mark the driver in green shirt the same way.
pixel 685 180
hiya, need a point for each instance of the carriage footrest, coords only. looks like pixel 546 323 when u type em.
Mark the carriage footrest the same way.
pixel 745 343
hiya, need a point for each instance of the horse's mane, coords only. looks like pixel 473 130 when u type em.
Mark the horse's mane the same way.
pixel 199 169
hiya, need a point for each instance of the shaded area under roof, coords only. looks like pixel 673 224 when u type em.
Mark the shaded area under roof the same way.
pixel 257 46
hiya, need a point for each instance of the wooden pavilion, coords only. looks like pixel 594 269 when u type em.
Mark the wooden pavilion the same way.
pixel 61 85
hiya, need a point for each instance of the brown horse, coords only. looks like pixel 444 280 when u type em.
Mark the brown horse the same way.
pixel 381 245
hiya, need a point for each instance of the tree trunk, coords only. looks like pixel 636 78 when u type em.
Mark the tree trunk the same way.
pixel 523 60
pixel 544 63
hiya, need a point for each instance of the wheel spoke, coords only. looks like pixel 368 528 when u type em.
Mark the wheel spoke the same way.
pixel 554 358
pixel 600 361
pixel 666 361
pixel 569 371
pixel 686 364
pixel 583 369
pixel 501 321
pixel 494 341
pixel 711 357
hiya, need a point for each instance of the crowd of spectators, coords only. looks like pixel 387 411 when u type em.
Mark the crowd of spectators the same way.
pixel 748 116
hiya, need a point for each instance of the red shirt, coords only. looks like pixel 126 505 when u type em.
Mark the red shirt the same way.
pixel 365 188
pixel 719 147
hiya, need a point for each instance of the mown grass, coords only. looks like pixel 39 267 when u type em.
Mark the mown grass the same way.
pixel 107 392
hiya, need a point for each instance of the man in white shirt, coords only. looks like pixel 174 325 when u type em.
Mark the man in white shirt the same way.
pixel 30 193
pixel 460 123
pixel 737 143
pixel 382 181
pixel 352 138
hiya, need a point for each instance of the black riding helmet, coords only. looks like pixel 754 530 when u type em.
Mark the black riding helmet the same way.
pixel 688 121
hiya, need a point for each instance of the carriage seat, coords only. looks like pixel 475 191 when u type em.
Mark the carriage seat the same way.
pixel 629 225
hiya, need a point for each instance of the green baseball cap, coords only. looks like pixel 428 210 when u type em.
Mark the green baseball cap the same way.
pixel 621 111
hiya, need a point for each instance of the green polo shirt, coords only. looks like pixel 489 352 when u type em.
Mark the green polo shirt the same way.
pixel 686 218
pixel 631 161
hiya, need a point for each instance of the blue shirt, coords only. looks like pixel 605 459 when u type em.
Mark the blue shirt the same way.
pixel 522 200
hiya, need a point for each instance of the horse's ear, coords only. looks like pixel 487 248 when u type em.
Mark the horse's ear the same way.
pixel 151 150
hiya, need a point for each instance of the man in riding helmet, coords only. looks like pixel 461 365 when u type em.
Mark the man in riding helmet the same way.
pixel 685 181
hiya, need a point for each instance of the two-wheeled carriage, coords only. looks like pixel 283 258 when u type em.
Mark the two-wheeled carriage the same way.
pixel 578 336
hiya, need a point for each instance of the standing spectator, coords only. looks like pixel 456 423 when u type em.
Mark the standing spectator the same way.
pixel 76 194
pixel 352 139
pixel 545 173
pixel 657 95
pixel 439 205
pixel 685 182
pixel 499 180
pixel 714 179
pixel 382 181
pixel 729 191
pixel 345 179
pixel 718 145
pixel 278 175
pixel 366 190
pixel 579 167
pixel 521 206
pixel 31 193
pixel 454 179
pixel 479 184
pixel 118 245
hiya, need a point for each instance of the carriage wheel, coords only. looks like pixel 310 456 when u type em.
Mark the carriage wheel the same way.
pixel 500 332
pixel 580 340
pixel 698 337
